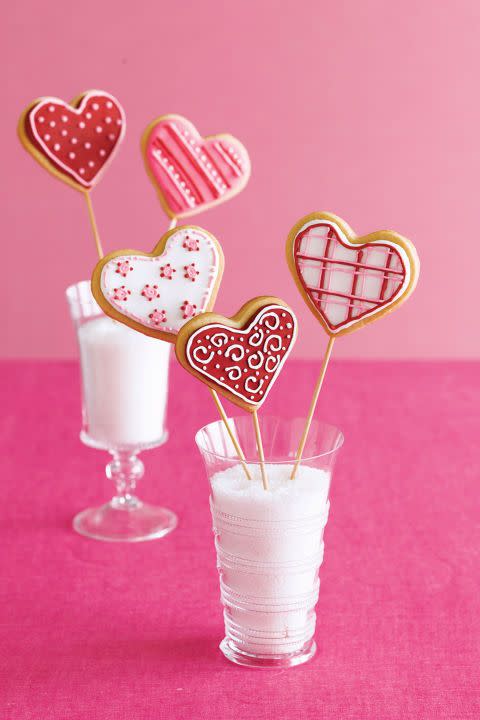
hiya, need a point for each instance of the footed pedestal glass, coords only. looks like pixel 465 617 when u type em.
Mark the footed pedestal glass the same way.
pixel 269 543
pixel 124 399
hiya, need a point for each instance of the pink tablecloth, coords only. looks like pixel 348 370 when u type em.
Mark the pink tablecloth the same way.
pixel 97 631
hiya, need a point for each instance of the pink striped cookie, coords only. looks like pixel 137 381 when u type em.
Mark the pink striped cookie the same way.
pixel 192 173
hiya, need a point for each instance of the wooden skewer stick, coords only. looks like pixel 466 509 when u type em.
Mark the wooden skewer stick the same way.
pixel 313 405
pixel 173 223
pixel 93 224
pixel 261 454
pixel 234 440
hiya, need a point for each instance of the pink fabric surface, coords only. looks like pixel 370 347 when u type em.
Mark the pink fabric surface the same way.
pixel 104 632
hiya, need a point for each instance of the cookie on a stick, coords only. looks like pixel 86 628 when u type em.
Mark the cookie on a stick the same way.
pixel 192 173
pixel 240 357
pixel 347 281
pixel 158 292
pixel 75 141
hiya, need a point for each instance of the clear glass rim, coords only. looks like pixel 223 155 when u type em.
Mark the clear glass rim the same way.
pixel 80 293
pixel 286 460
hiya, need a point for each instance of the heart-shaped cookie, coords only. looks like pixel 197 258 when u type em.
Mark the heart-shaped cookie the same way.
pixel 192 173
pixel 74 141
pixel 348 281
pixel 241 356
pixel 157 292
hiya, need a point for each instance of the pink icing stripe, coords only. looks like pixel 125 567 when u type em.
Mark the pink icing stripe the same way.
pixel 171 184
pixel 186 177
pixel 216 162
pixel 186 150
pixel 221 150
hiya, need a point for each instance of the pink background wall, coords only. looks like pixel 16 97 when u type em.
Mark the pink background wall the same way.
pixel 369 109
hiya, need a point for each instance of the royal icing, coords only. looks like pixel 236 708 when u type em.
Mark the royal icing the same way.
pixel 194 172
pixel 163 291
pixel 244 362
pixel 78 141
pixel 347 282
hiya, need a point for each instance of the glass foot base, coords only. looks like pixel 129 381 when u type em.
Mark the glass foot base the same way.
pixel 125 521
pixel 265 661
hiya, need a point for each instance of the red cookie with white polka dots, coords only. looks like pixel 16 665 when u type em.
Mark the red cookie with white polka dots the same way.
pixel 240 356
pixel 76 141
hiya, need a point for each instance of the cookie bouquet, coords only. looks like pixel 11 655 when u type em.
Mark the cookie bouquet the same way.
pixel 269 476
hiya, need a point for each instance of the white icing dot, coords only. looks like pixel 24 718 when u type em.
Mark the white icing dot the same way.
pixel 64 118
pixel 74 141
pixel 119 122
pixel 52 108
pixel 87 146
pixel 217 365
pixel 82 171
pixel 222 379
pixel 109 104
pixel 41 119
pixel 52 123
pixel 71 155
pixel 81 124
pixel 64 133
pixel 91 163
pixel 236 387
pixel 98 129
pixel 108 120
pixel 95 106
pixel 88 116
pixel 111 137
pixel 103 152
pixel 56 146
pixel 46 137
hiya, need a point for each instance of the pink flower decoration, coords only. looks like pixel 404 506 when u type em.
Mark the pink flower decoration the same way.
pixel 121 293
pixel 150 292
pixel 191 244
pixel 158 317
pixel 123 268
pixel 191 272
pixel 189 310
pixel 166 271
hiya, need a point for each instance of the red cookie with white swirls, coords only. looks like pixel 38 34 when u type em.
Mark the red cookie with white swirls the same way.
pixel 348 281
pixel 192 173
pixel 240 357
pixel 75 141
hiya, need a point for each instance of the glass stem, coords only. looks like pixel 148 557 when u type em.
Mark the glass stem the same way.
pixel 125 469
